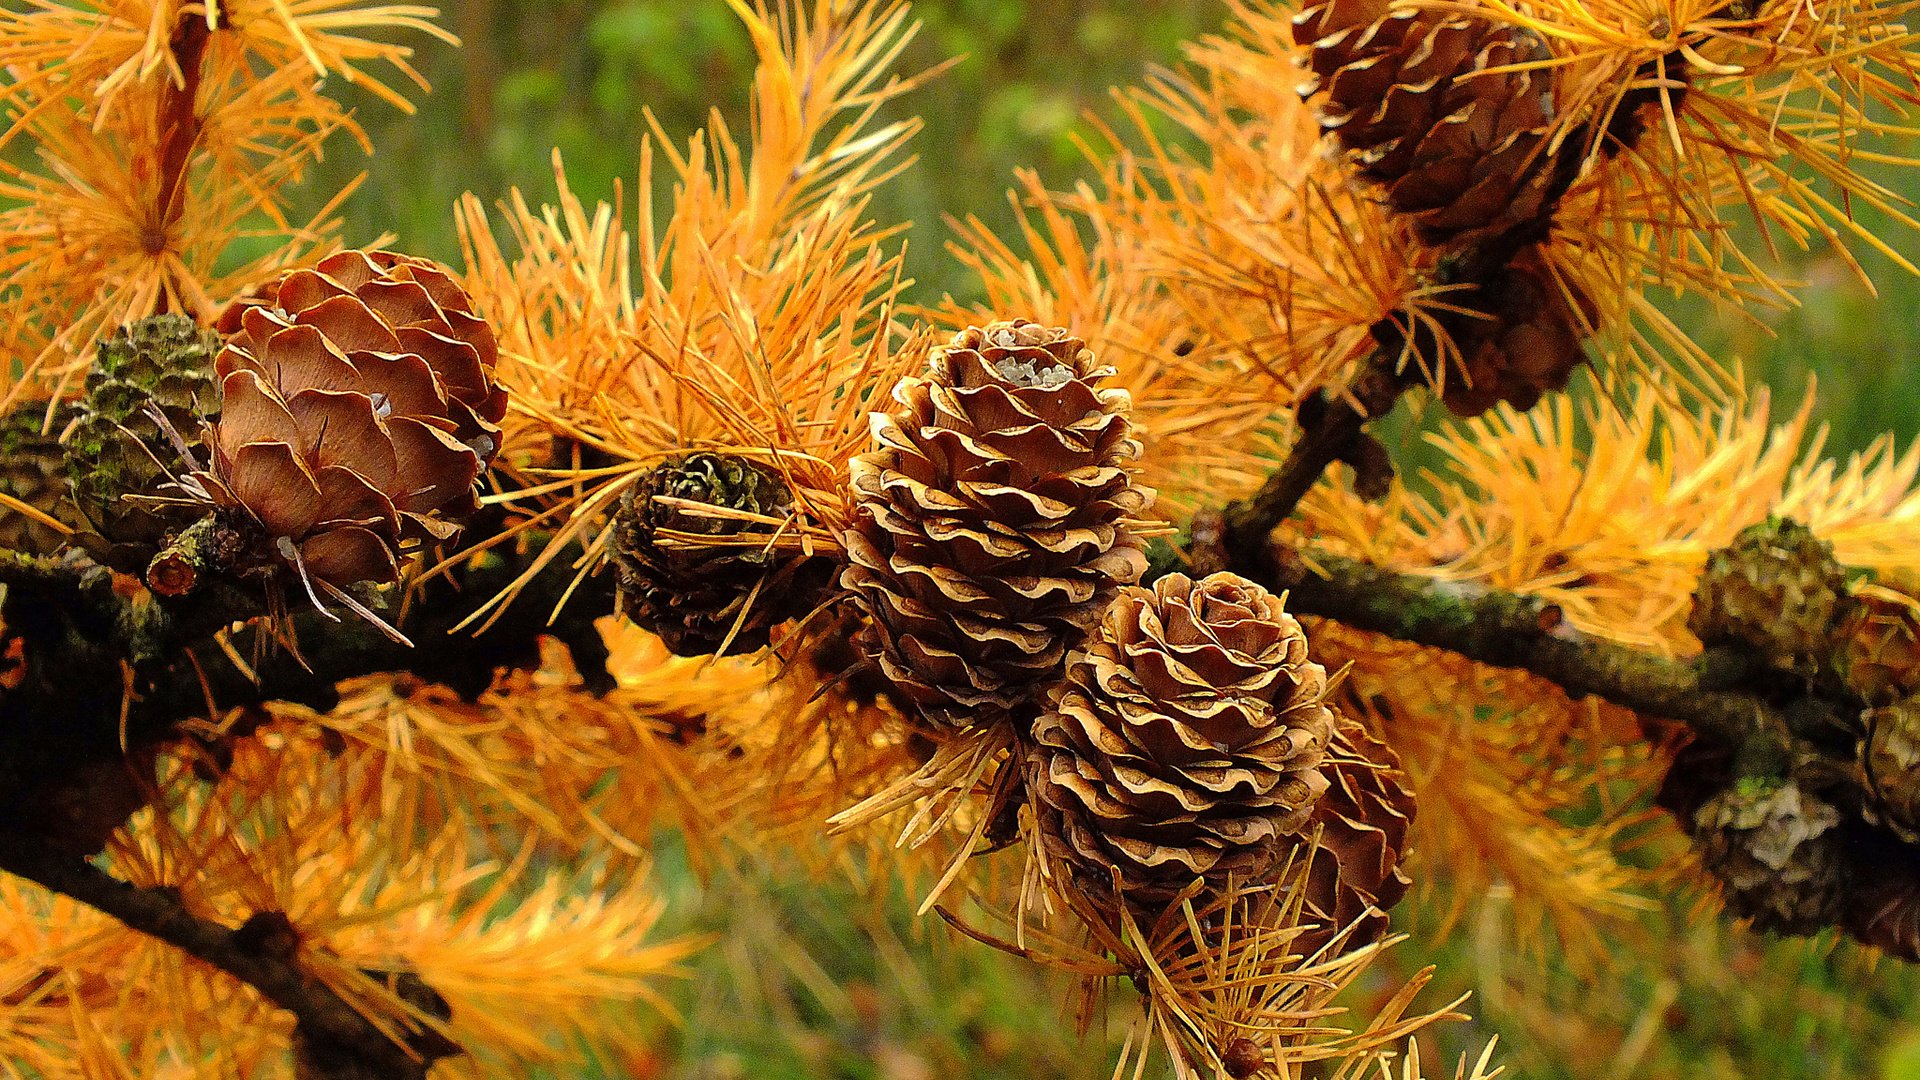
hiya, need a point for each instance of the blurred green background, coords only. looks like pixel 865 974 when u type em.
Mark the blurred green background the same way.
pixel 830 982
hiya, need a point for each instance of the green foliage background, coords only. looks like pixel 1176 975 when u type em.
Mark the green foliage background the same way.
pixel 812 982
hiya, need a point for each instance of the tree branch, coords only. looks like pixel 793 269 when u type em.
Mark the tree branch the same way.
pixel 1329 432
pixel 1720 695
pixel 320 1015
pixel 106 677
pixel 69 738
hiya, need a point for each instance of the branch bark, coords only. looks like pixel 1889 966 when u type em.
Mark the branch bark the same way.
pixel 69 739
pixel 358 1048
pixel 1721 695
pixel 1331 433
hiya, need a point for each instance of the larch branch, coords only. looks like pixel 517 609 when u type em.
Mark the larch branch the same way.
pixel 1713 694
pixel 355 1047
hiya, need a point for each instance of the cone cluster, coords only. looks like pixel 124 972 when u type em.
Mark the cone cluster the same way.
pixel 1185 742
pixel 359 408
pixel 1778 591
pixel 723 597
pixel 33 469
pixel 1420 103
pixel 993 520
pixel 119 454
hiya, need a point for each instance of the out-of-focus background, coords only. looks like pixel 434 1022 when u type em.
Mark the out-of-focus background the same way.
pixel 813 981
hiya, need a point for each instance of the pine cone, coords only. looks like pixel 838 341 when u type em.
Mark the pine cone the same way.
pixel 33 469
pixel 116 448
pixel 1531 343
pixel 1183 743
pixel 1777 590
pixel 1880 646
pixel 1882 907
pixel 1363 816
pixel 359 409
pixel 993 521
pixel 1405 92
pixel 1775 850
pixel 1891 754
pixel 693 597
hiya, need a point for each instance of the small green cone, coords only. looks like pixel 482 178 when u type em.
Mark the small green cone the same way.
pixel 1777 590
pixel 33 469
pixel 693 598
pixel 116 448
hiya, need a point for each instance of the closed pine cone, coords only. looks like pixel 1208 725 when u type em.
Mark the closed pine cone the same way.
pixel 1531 343
pixel 118 451
pixel 697 599
pixel 1778 854
pixel 1363 816
pixel 1184 743
pixel 1404 91
pixel 33 469
pixel 993 521
pixel 1777 590
pixel 359 410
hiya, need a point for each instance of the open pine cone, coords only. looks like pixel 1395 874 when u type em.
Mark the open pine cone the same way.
pixel 993 521
pixel 1414 97
pixel 1185 742
pixel 1363 816
pixel 359 409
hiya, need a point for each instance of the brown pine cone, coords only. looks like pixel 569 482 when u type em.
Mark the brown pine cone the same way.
pixel 1530 344
pixel 1406 93
pixel 993 521
pixel 1363 816
pixel 1880 646
pixel 359 410
pixel 1184 742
